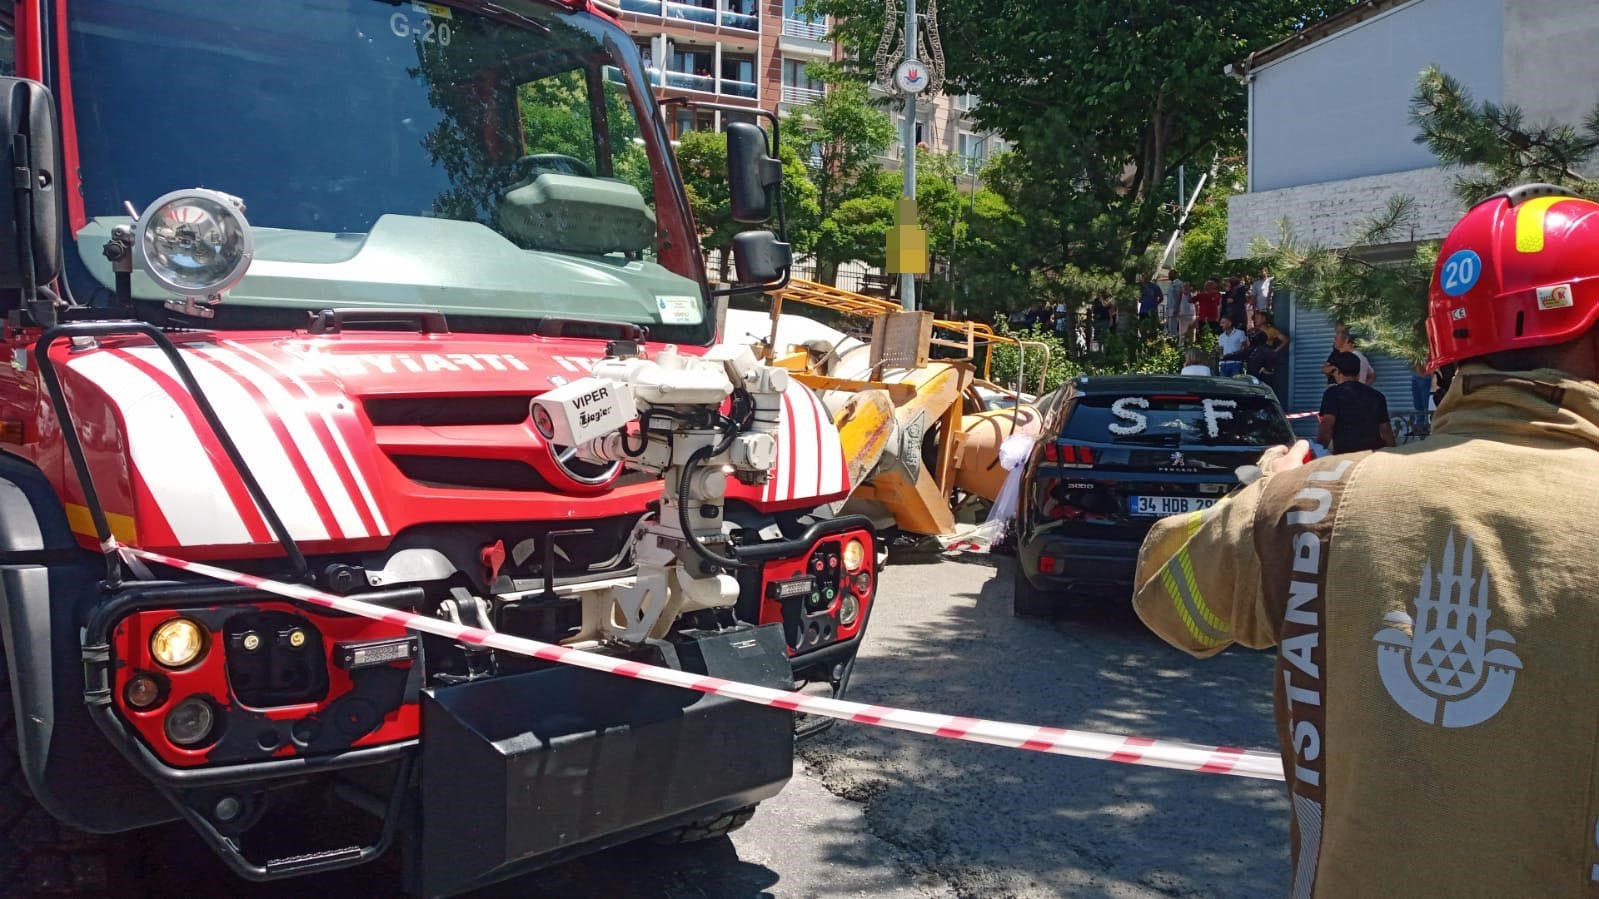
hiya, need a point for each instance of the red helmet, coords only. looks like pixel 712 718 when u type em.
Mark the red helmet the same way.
pixel 1520 270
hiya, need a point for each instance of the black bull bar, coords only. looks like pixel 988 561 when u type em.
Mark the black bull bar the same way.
pixel 526 771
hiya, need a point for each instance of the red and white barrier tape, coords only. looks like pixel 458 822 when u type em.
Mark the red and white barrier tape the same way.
pixel 1082 744
pixel 1293 415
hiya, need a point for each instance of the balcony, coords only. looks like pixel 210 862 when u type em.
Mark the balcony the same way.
pixel 801 28
pixel 690 82
pixel 703 14
pixel 705 84
pixel 614 75
pixel 801 96
pixel 698 13
pixel 742 21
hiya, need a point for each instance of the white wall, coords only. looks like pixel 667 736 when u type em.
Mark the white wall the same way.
pixel 1326 213
pixel 1551 69
pixel 1340 108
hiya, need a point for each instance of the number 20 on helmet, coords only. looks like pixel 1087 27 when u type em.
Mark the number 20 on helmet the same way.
pixel 1520 270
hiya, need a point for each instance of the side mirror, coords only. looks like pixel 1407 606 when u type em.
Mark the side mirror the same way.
pixel 30 226
pixel 760 258
pixel 751 173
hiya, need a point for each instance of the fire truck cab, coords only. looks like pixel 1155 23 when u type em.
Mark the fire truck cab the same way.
pixel 280 282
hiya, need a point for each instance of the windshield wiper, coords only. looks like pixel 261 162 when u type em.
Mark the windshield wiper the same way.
pixel 332 321
pixel 591 329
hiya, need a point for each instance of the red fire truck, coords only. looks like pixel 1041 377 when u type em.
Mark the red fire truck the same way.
pixel 280 282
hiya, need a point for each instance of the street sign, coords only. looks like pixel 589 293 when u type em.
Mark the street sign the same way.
pixel 912 76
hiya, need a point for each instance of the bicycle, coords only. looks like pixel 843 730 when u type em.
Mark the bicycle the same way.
pixel 1410 427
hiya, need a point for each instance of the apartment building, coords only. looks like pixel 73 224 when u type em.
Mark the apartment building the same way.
pixel 756 54
pixel 749 53
pixel 944 125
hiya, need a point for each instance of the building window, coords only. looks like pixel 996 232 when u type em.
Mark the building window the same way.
pixel 972 150
pixel 738 76
pixel 691 70
pixel 803 25
pixel 797 73
pixel 921 130
pixel 791 10
pixel 799 87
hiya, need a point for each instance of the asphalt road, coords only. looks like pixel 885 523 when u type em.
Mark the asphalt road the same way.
pixel 987 821
pixel 874 812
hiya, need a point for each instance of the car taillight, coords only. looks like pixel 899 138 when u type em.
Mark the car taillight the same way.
pixel 1068 454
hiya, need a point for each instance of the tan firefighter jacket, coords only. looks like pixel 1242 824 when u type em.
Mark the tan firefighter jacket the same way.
pixel 1436 609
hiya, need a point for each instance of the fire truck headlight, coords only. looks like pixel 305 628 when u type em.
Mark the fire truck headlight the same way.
pixel 194 243
pixel 190 722
pixel 849 610
pixel 177 643
pixel 854 555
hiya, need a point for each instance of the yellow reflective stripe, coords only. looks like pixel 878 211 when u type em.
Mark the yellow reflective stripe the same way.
pixel 1530 223
pixel 1194 521
pixel 82 522
pixel 1172 590
pixel 1199 598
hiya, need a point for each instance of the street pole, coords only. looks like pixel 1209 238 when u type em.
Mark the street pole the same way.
pixel 905 74
pixel 907 281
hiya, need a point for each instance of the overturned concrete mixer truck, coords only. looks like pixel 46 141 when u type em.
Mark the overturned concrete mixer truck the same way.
pixel 301 312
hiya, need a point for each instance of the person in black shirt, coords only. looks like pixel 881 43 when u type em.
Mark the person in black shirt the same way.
pixel 1354 416
pixel 1235 302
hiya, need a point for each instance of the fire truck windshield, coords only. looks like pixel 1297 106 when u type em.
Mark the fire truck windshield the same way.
pixel 490 161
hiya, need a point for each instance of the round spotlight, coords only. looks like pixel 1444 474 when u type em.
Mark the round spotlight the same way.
pixel 848 611
pixel 543 422
pixel 142 691
pixel 854 555
pixel 862 584
pixel 190 722
pixel 194 243
pixel 177 643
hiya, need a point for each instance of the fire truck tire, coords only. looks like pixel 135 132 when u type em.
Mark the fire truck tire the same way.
pixel 1027 601
pixel 40 856
pixel 707 829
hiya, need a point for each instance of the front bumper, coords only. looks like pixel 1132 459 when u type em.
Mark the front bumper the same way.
pixel 525 771
pixel 1080 563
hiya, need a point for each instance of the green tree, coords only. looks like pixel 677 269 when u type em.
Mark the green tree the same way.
pixel 1384 302
pixel 1204 250
pixel 1124 352
pixel 991 277
pixel 847 136
pixel 856 230
pixel 1492 147
pixel 702 158
pixel 1103 99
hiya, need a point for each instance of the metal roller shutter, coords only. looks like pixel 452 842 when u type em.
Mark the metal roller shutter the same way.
pixel 1311 333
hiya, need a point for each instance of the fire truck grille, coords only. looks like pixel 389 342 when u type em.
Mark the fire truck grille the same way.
pixel 473 474
pixel 445 411
pixel 605 546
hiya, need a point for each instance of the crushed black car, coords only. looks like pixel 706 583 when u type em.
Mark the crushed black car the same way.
pixel 1116 454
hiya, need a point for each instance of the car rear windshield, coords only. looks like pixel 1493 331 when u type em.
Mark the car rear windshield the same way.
pixel 1177 420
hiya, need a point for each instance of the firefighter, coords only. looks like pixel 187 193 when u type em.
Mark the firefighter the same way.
pixel 1435 606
